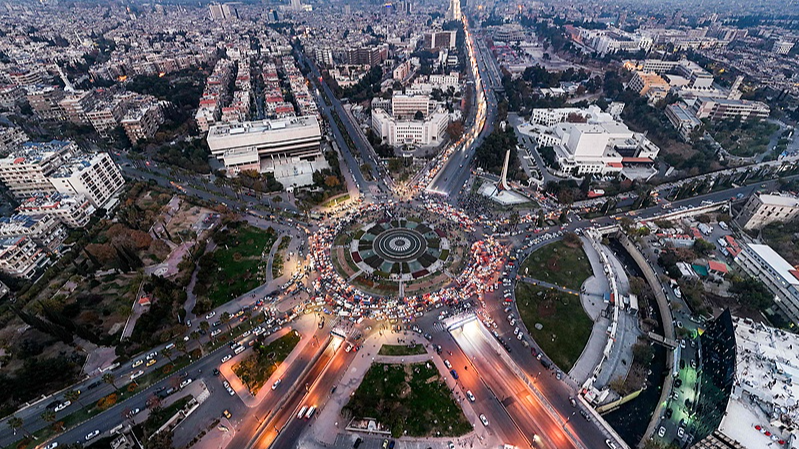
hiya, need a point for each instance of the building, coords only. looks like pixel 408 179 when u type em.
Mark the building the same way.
pixel 45 230
pixel 717 440
pixel 11 95
pixel 370 56
pixel 614 40
pixel 244 146
pixel 395 131
pixel 725 108
pixel 107 115
pixel 11 137
pixel 454 11
pixel 591 141
pixel 694 74
pixel 44 101
pixel 73 211
pixel 142 123
pixel 21 257
pixel 402 71
pixel 26 77
pixel 95 176
pixel 76 104
pixel 782 47
pixel 650 85
pixel 406 106
pixel 762 208
pixel 441 39
pixel 26 171
pixel 782 279
pixel 682 119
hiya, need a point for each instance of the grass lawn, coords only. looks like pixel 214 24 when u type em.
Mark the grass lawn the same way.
pixel 559 264
pixel 409 398
pixel 255 370
pixel 234 267
pixel 561 315
pixel 743 138
pixel 402 350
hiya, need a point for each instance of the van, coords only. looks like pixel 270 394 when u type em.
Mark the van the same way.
pixel 170 346
pixel 302 412
pixel 310 412
pixel 238 349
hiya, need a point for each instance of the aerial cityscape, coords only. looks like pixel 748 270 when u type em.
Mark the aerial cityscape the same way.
pixel 421 224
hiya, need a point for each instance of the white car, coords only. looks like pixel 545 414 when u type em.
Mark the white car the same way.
pixel 226 358
pixel 662 432
pixel 62 406
pixel 92 435
pixel 52 445
pixel 470 395
pixel 447 364
pixel 483 419
pixel 210 315
pixel 276 384
pixel 185 383
pixel 680 432
pixel 136 374
pixel 230 391
pixel 152 355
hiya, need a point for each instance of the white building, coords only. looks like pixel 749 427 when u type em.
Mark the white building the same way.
pixel 780 277
pixel 96 176
pixel 21 256
pixel 782 47
pixel 406 106
pixel 25 171
pixel 72 211
pixel 724 108
pixel 761 209
pixel 426 132
pixel 591 141
pixel 261 144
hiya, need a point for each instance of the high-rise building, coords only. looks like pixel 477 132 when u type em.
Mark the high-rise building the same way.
pixel 454 12
pixel 216 11
pixel 296 5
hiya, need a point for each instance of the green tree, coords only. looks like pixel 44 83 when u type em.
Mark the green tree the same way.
pixel 73 396
pixel 196 337
pixel 110 379
pixel 167 353
pixel 225 318
pixel 16 423
pixel 48 416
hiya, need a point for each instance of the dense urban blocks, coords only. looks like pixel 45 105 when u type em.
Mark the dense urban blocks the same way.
pixel 411 400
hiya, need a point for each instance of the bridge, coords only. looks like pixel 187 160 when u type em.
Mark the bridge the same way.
pixel 667 342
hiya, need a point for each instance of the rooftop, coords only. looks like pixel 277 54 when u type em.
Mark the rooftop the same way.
pixel 779 200
pixel 33 152
pixel 776 262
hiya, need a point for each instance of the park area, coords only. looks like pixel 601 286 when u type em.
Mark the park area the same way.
pixel 411 400
pixel 236 264
pixel 561 263
pixel 256 369
pixel 743 138
pixel 398 350
pixel 564 325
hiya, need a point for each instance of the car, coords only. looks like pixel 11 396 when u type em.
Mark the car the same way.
pixel 210 315
pixel 385 444
pixel 470 395
pixel 483 419
pixel 447 364
pixel 276 384
pixel 185 383
pixel 348 348
pixel 152 355
pixel 137 363
pixel 450 445
pixel 226 357
pixel 585 415
pixel 682 344
pixel 136 374
pixel 454 374
pixel 573 402
pixel 62 406
pixel 92 434
pixel 610 444
pixel 680 432
pixel 52 445
pixel 216 332
pixel 133 412
pixel 662 432
pixel 226 414
pixel 391 444
pixel 668 413
pixel 230 391
pixel 693 363
pixel 678 382
pixel 151 362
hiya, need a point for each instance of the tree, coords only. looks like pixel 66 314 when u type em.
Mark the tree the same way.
pixel 180 345
pixel 110 379
pixel 196 337
pixel 15 423
pixel 225 318
pixel 514 219
pixel 73 396
pixel 703 247
pixel 205 326
pixel 167 353
pixel 48 416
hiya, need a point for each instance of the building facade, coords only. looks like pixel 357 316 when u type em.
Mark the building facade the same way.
pixel 761 209
pixel 780 277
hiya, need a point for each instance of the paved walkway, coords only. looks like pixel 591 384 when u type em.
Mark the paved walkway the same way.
pixel 549 285
pixel 593 291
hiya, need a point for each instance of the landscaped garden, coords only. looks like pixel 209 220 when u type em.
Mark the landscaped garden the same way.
pixel 564 325
pixel 411 400
pixel 415 349
pixel 560 263
pixel 236 266
pixel 256 369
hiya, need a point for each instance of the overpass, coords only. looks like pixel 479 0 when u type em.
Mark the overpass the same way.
pixel 670 344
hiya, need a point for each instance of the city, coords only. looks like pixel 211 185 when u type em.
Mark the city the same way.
pixel 399 224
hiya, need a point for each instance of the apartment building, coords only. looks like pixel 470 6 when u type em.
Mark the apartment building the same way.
pixel 44 101
pixel 142 122
pixel 26 171
pixel 107 115
pixel 95 176
pixel 11 95
pixel 650 85
pixel 762 208
pixel 243 146
pixel 370 56
pixel 76 105
pixel 441 39
pixel 45 230
pixel 725 108
pixel 73 211
pixel 26 77
pixel 21 257
pixel 779 276
pixel 11 137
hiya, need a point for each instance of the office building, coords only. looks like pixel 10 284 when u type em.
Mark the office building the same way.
pixel 406 106
pixel 396 131
pixel 780 277
pixel 649 85
pixel 454 11
pixel 725 108
pixel 249 145
pixel 682 119
pixel 94 176
pixel 591 141
pixel 763 208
